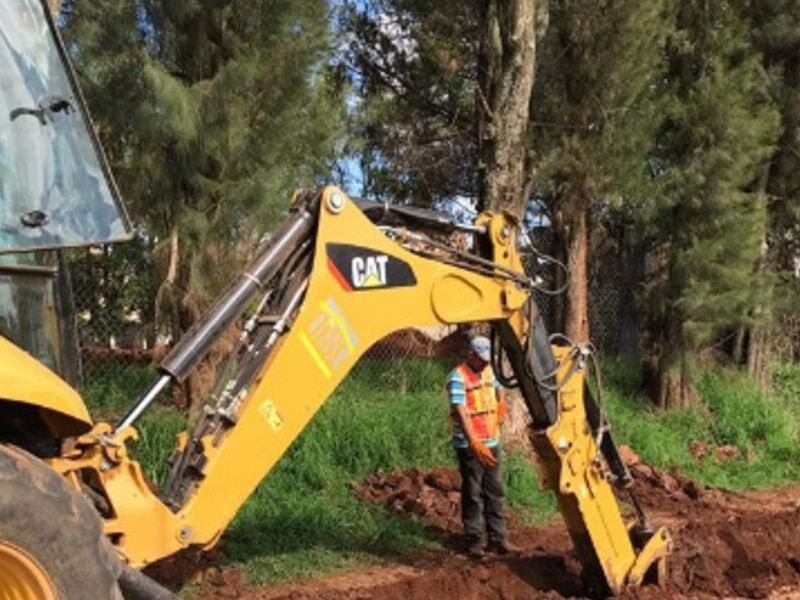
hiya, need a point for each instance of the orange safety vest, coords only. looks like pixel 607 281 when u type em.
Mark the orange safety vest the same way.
pixel 481 401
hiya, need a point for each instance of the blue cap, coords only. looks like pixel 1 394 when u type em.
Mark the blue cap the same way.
pixel 482 347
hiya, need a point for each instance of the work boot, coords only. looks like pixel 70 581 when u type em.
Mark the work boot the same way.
pixel 475 548
pixel 503 547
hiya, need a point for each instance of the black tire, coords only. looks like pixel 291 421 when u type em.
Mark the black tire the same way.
pixel 54 524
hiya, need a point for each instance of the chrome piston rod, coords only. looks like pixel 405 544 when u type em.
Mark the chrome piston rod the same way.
pixel 194 346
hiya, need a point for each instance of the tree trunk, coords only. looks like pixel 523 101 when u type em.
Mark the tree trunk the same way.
pixel 167 301
pixel 632 263
pixel 174 247
pixel 759 342
pixel 666 371
pixel 758 355
pixel 673 386
pixel 558 303
pixel 576 322
pixel 506 64
pixel 737 354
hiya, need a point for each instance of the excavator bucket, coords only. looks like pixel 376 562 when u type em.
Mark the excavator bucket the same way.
pixel 615 552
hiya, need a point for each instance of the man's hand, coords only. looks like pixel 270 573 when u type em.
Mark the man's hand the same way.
pixel 483 453
pixel 479 449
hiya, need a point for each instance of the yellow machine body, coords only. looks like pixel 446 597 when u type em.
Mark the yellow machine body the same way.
pixel 339 316
pixel 333 327
pixel 24 379
pixel 570 466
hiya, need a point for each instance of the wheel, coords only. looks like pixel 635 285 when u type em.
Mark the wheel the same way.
pixel 51 542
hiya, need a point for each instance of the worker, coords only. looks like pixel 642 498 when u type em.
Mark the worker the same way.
pixel 478 406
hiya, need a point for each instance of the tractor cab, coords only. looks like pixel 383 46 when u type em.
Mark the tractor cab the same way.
pixel 37 312
pixel 56 192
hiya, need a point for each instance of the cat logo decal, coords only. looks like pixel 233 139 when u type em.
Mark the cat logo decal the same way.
pixel 357 268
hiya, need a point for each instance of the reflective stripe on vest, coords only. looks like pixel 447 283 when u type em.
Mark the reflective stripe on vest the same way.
pixel 481 402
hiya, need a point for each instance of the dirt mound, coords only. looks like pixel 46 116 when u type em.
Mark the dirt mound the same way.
pixel 659 489
pixel 431 495
pixel 747 554
pixel 500 580
pixel 196 568
pixel 727 545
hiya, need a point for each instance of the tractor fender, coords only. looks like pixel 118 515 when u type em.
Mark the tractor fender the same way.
pixel 24 379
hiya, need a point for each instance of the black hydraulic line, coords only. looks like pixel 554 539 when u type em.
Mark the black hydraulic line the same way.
pixel 194 346
pixel 533 371
pixel 186 466
pixel 384 213
pixel 199 339
pixel 608 447
pixel 542 402
pixel 256 357
pixel 135 585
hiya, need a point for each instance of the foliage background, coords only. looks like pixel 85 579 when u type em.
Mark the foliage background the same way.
pixel 663 159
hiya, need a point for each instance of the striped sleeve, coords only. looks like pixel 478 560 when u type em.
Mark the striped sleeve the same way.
pixel 456 391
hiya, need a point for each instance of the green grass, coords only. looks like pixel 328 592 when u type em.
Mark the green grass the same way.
pixel 110 389
pixel 304 518
pixel 786 379
pixel 733 411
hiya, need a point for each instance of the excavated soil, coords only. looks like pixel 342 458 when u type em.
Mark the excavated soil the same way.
pixel 432 496
pixel 727 545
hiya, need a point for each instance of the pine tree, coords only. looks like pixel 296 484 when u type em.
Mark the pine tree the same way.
pixel 596 107
pixel 445 94
pixel 414 66
pixel 423 99
pixel 212 111
pixel 775 27
pixel 707 221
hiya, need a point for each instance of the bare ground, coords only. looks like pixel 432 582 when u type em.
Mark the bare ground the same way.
pixel 727 545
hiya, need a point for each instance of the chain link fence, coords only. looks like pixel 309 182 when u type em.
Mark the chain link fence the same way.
pixel 113 293
pixel 613 319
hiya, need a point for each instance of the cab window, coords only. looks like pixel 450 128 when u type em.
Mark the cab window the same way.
pixel 55 186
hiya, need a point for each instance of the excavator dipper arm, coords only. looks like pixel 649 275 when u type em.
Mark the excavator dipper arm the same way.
pixel 337 277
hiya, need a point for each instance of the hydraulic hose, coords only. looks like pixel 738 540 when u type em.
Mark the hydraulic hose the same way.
pixel 194 346
pixel 138 586
pixel 196 343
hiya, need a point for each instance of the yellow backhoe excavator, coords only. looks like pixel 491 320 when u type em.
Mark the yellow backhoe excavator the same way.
pixel 77 517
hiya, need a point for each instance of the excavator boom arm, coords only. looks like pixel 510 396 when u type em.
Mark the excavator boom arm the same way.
pixel 358 287
pixel 335 279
